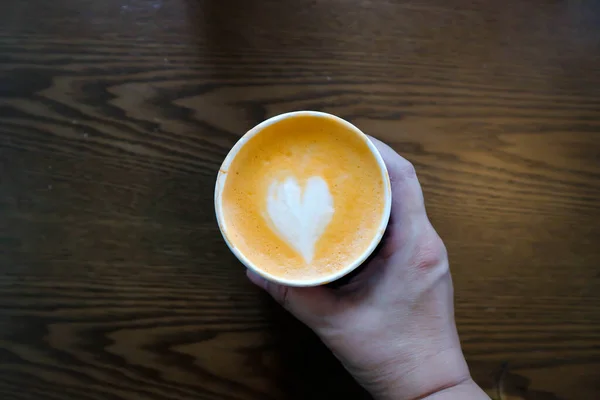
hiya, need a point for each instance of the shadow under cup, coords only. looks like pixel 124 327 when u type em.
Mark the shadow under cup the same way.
pixel 303 198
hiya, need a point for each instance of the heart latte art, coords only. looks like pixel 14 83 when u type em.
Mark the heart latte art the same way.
pixel 300 216
pixel 303 197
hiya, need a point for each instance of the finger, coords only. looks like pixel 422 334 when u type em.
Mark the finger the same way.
pixel 407 196
pixel 307 304
pixel 278 292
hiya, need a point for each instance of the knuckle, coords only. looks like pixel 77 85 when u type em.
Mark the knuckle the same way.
pixel 430 251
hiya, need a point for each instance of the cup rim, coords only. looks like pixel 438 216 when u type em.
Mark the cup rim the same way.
pixel 322 280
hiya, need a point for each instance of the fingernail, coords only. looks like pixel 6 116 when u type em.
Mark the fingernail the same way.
pixel 256 279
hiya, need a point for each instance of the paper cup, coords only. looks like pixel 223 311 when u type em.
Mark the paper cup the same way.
pixel 321 280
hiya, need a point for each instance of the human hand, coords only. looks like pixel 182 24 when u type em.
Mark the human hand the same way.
pixel 392 325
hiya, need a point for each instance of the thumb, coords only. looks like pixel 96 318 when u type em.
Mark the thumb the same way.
pixel 308 304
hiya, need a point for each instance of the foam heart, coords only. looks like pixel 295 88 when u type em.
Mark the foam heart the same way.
pixel 300 216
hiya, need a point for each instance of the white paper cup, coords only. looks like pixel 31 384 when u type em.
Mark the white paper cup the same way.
pixel 321 280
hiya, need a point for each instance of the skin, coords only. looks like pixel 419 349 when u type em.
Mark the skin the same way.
pixel 392 324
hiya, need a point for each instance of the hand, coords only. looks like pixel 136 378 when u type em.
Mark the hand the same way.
pixel 392 325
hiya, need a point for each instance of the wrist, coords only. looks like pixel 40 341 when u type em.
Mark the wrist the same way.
pixel 467 390
pixel 428 377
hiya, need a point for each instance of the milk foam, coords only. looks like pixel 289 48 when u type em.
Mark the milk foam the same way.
pixel 300 216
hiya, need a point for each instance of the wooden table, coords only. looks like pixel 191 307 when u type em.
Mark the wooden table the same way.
pixel 115 116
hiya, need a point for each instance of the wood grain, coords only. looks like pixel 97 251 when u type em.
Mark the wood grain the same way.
pixel 114 118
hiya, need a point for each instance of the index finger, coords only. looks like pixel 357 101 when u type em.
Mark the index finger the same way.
pixel 407 197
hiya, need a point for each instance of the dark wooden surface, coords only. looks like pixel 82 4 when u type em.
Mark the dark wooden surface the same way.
pixel 115 116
